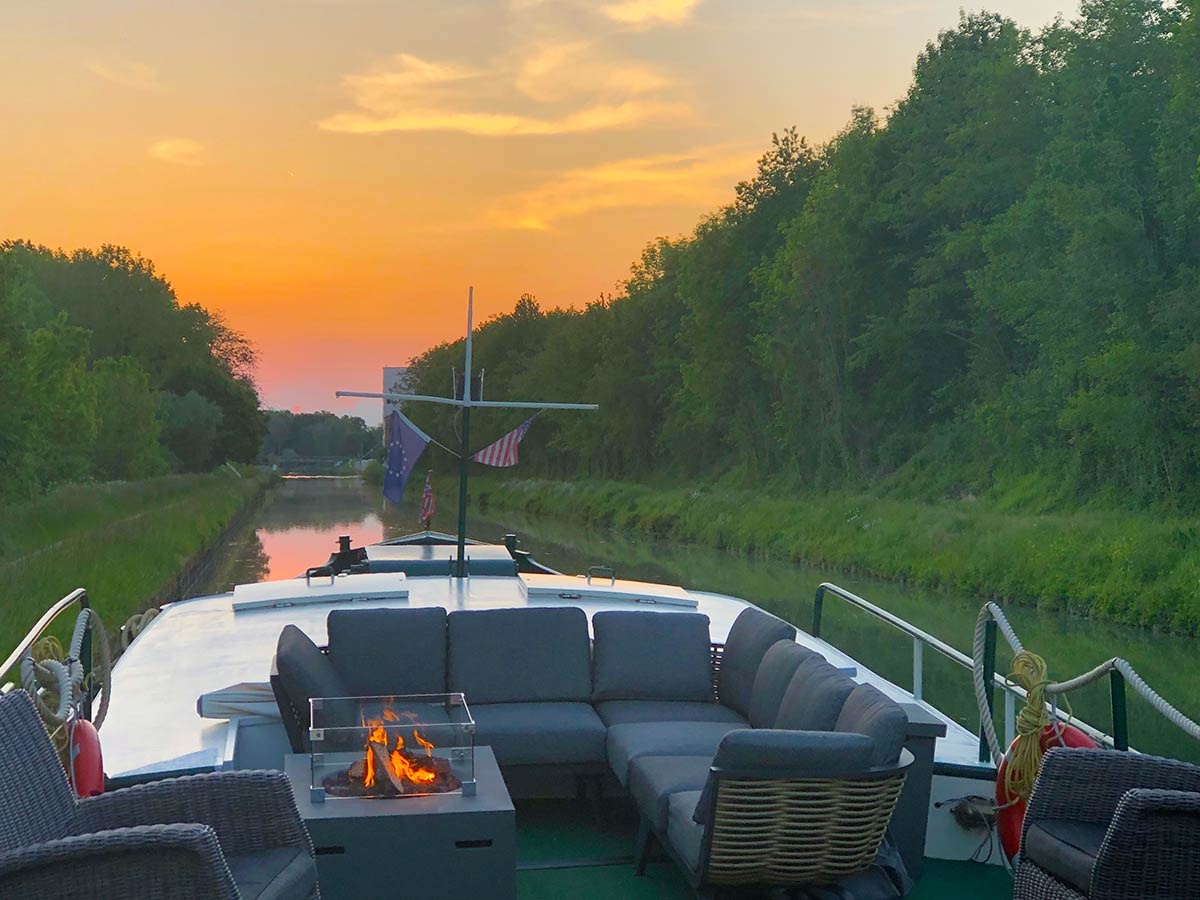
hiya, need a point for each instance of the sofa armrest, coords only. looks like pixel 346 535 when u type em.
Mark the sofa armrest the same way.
pixel 180 861
pixel 1154 839
pixel 248 810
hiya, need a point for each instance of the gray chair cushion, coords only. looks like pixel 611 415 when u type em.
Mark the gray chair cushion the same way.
pixel 771 753
pixel 623 712
pixel 520 655
pixel 651 656
pixel 774 675
pixel 273 874
pixel 814 697
pixel 867 711
pixel 1067 850
pixel 305 671
pixel 543 733
pixel 684 834
pixel 752 634
pixel 629 742
pixel 653 779
pixel 389 651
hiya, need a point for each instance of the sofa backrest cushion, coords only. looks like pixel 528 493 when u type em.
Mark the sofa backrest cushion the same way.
pixel 767 753
pixel 389 651
pixel 305 671
pixel 520 655
pixel 641 655
pixel 814 698
pixel 868 711
pixel 752 634
pixel 774 675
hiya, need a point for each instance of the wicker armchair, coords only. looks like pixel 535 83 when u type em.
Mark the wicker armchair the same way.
pixel 1107 825
pixel 228 835
pixel 781 808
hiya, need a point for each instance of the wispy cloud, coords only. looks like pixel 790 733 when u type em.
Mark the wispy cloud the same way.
pixel 702 177
pixel 650 12
pixel 856 14
pixel 134 75
pixel 178 151
pixel 573 90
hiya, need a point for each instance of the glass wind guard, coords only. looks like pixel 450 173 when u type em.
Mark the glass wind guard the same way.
pixel 414 745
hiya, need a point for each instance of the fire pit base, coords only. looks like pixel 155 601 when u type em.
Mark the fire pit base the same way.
pixel 467 843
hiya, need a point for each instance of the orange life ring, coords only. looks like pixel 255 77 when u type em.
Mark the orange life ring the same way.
pixel 1010 812
pixel 87 766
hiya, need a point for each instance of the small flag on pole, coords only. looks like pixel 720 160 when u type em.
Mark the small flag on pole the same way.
pixel 503 453
pixel 405 447
pixel 427 505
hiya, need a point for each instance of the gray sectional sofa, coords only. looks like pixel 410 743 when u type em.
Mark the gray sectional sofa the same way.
pixel 645 696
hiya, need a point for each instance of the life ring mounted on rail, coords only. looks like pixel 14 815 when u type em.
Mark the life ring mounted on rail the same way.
pixel 1011 803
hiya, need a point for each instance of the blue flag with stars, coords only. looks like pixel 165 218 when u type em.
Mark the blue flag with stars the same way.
pixel 405 446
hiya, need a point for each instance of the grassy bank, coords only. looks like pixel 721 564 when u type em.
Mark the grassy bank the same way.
pixel 123 541
pixel 1119 567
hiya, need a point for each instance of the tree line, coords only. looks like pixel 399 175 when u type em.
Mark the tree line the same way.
pixel 318 434
pixel 105 374
pixel 994 286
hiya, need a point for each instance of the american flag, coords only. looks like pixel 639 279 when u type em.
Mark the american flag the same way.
pixel 503 453
pixel 427 504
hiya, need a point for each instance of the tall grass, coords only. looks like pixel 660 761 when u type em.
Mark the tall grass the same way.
pixel 123 541
pixel 1128 568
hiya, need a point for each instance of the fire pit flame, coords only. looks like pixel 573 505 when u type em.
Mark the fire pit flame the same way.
pixel 381 772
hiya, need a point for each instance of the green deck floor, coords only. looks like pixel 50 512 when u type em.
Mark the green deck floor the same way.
pixel 563 854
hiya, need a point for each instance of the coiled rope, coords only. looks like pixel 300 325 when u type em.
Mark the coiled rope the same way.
pixel 1029 672
pixel 55 678
pixel 135 625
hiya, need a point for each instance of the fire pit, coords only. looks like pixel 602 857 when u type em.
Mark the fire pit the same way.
pixel 412 745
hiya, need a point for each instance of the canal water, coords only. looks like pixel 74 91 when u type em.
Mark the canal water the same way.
pixel 301 520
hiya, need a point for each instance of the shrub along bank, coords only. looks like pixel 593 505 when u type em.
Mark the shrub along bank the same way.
pixel 123 541
pixel 1133 569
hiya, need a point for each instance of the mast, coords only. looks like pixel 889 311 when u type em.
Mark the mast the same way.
pixel 464 455
pixel 465 403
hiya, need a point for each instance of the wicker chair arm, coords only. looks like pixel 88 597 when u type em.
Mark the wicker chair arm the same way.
pixel 248 810
pixel 1087 785
pixel 181 861
pixel 1152 848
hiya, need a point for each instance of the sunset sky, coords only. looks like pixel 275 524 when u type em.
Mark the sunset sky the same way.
pixel 332 174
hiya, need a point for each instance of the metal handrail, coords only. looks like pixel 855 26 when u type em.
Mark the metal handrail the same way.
pixel 1011 691
pixel 78 596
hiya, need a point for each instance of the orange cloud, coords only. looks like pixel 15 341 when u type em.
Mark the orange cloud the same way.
pixel 651 12
pixel 178 151
pixel 701 177
pixel 134 75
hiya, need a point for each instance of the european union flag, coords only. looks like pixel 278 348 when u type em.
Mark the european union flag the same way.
pixel 405 445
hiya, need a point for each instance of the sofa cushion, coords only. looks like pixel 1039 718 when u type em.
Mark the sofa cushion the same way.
pixel 651 656
pixel 653 779
pixel 629 742
pixel 623 712
pixel 814 697
pixel 520 655
pixel 543 733
pixel 1067 850
pixel 684 834
pixel 389 651
pixel 774 675
pixel 775 753
pixel 752 634
pixel 867 711
pixel 305 671
pixel 280 873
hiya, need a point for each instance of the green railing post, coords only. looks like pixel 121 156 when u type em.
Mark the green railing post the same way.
pixel 816 622
pixel 1120 718
pixel 989 682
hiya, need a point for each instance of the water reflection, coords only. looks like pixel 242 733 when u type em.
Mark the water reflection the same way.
pixel 299 525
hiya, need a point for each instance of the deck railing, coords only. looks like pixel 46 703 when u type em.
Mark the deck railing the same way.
pixel 77 598
pixel 1011 692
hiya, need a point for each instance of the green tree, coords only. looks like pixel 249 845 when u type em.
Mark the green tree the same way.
pixel 127 433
